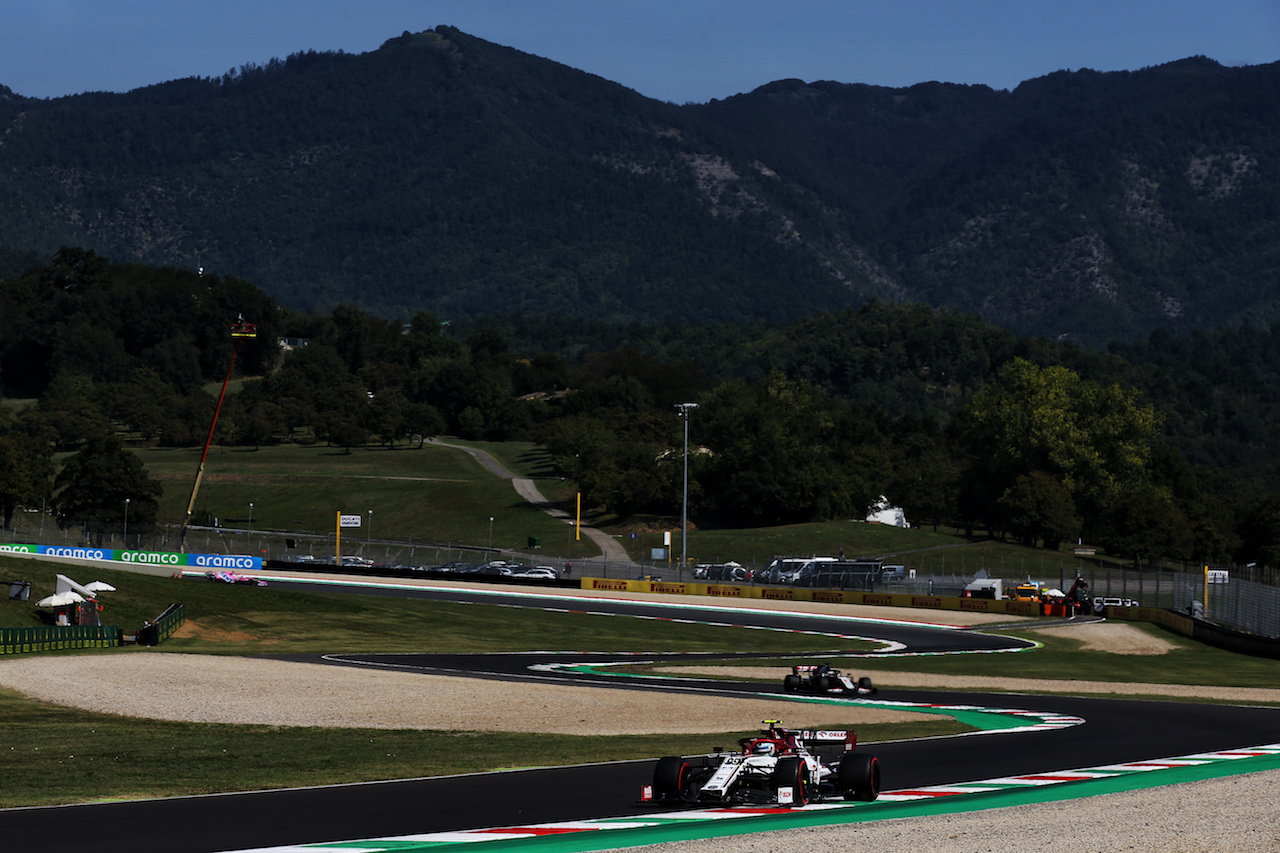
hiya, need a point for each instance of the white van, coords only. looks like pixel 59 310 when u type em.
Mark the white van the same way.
pixel 787 569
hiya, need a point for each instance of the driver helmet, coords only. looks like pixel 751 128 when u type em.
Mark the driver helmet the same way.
pixel 764 747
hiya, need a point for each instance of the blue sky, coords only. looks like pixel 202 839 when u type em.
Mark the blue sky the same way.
pixel 675 50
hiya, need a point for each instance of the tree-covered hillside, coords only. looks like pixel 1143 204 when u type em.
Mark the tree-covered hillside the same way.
pixel 1158 449
pixel 446 174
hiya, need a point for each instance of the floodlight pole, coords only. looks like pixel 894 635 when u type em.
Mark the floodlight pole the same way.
pixel 684 506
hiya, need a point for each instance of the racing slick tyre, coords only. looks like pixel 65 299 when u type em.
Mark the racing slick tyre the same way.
pixel 791 684
pixel 858 777
pixel 865 685
pixel 794 773
pixel 821 683
pixel 670 776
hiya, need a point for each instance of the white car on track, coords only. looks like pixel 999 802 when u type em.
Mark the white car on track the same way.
pixel 779 766
pixel 820 678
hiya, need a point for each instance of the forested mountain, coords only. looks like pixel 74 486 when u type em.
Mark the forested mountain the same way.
pixel 447 174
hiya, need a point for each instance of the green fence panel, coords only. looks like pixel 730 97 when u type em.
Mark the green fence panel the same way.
pixel 16 641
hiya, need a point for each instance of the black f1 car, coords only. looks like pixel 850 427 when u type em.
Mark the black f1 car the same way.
pixel 780 766
pixel 820 678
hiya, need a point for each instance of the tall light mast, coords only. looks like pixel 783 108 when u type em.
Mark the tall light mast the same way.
pixel 684 506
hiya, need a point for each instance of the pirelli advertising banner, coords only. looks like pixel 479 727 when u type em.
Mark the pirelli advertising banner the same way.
pixel 824 596
pixel 241 562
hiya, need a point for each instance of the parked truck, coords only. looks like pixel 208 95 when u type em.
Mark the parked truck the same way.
pixel 985 588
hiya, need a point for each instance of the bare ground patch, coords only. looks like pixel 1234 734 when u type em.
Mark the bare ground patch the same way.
pixel 216 689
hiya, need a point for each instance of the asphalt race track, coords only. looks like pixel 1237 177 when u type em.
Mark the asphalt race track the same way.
pixel 1114 731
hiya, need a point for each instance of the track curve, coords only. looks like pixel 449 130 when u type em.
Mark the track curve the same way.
pixel 1114 730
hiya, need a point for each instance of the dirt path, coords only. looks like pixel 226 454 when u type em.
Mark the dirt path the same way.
pixel 611 549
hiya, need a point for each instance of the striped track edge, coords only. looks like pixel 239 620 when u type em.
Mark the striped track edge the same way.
pixel 690 819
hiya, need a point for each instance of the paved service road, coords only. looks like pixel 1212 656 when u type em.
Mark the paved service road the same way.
pixel 1115 730
pixel 610 548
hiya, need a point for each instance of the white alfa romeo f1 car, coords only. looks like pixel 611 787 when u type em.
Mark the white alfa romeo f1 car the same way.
pixel 780 766
pixel 820 678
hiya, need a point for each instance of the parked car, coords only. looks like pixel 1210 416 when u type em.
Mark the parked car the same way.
pixel 839 574
pixel 543 572
pixel 785 569
pixel 722 572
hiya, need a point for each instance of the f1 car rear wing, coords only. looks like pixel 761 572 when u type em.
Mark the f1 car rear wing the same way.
pixel 814 739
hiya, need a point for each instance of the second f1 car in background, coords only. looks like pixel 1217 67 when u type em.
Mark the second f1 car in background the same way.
pixel 820 678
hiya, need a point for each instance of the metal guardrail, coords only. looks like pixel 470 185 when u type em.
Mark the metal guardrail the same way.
pixel 1249 601
pixel 153 633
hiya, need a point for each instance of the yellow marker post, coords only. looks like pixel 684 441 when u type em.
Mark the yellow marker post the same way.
pixel 1206 591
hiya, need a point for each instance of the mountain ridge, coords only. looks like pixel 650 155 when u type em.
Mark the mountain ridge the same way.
pixel 446 174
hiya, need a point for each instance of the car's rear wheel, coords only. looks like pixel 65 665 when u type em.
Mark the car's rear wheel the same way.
pixel 791 683
pixel 859 777
pixel 670 776
pixel 792 772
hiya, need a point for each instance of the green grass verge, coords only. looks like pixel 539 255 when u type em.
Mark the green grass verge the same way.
pixel 1061 658
pixel 59 755
pixel 247 620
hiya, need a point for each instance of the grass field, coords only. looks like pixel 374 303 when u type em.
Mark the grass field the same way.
pixel 441 495
pixel 1060 658
pixel 428 494
pixel 59 755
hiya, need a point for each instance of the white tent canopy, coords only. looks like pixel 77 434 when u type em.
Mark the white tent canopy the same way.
pixel 66 584
pixel 60 599
pixel 882 513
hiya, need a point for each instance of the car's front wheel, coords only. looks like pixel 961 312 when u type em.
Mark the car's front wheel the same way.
pixel 670 776
pixel 792 772
pixel 858 777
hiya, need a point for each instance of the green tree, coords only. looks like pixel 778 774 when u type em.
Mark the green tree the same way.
pixel 777 456
pixel 1260 531
pixel 925 478
pixel 1145 523
pixel 1039 508
pixel 1093 440
pixel 25 472
pixel 93 485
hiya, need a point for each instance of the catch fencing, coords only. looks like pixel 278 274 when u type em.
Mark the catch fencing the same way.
pixel 1245 598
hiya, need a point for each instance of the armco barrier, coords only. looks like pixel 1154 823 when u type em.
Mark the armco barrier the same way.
pixel 153 633
pixel 16 641
pixel 1205 632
